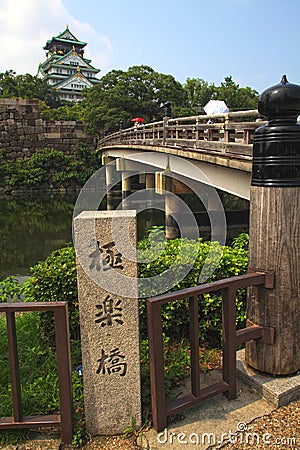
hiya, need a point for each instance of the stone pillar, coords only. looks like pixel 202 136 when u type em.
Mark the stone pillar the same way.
pixel 275 231
pixel 109 173
pixel 213 210
pixel 126 184
pixel 150 180
pixel 172 206
pixel 108 321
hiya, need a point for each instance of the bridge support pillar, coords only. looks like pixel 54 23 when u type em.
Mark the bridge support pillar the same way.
pixel 213 209
pixel 126 185
pixel 172 207
pixel 109 174
pixel 150 180
pixel 275 231
pixel 165 183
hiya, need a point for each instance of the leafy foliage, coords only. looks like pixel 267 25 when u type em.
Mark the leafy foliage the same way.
pixel 176 360
pixel 55 280
pixel 198 92
pixel 41 384
pixel 38 375
pixel 120 96
pixel 235 97
pixel 233 262
pixel 50 167
pixel 70 111
pixel 10 290
pixel 27 86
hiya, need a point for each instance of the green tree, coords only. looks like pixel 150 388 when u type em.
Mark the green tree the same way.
pixel 235 97
pixel 198 92
pixel 120 96
pixel 69 111
pixel 27 86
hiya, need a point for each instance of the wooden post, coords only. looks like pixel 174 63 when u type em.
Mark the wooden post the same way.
pixel 275 231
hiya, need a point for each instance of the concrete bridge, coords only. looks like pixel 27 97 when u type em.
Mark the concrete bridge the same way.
pixel 221 146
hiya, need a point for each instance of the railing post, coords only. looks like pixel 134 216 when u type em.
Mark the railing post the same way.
pixel 63 356
pixel 229 340
pixel 165 121
pixel 275 230
pixel 14 365
pixel 158 394
pixel 194 344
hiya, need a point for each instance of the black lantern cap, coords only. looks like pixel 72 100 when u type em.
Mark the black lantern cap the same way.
pixel 280 101
pixel 276 148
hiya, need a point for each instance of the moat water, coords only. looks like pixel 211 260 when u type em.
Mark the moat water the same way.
pixel 32 226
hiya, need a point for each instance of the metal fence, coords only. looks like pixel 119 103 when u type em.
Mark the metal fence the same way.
pixel 230 339
pixel 64 419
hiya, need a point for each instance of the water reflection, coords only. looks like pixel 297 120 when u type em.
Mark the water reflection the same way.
pixel 31 227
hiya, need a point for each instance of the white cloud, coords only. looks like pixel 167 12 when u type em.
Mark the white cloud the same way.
pixel 26 25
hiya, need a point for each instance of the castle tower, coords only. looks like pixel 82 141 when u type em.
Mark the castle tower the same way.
pixel 65 68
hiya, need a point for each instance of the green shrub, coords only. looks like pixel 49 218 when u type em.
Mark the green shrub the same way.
pixel 55 280
pixel 38 374
pixel 50 167
pixel 234 261
pixel 10 290
pixel 177 363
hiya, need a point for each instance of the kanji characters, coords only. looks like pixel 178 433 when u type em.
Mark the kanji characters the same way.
pixel 112 363
pixel 106 256
pixel 109 310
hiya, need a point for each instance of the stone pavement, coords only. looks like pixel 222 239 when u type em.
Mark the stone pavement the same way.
pixel 211 422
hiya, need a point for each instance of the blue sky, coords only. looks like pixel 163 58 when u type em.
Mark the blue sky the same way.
pixel 254 41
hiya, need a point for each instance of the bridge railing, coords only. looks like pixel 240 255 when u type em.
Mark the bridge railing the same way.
pixel 231 132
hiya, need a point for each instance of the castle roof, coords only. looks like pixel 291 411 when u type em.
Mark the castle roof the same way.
pixel 64 61
pixel 65 37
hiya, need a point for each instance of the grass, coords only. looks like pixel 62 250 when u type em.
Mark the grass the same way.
pixel 38 375
pixel 177 367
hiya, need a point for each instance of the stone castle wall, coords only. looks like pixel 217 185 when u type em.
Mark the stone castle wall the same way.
pixel 23 131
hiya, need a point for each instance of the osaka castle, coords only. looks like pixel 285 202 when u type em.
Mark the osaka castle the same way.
pixel 65 68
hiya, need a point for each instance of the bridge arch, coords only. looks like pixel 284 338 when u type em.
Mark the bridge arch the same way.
pixel 225 178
